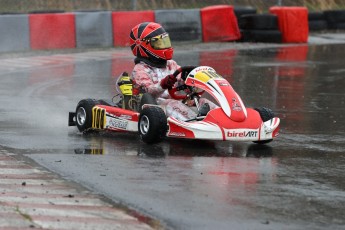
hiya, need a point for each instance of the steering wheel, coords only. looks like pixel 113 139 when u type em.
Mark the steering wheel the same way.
pixel 184 71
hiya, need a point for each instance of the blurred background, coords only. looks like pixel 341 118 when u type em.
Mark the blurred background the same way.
pixel 262 6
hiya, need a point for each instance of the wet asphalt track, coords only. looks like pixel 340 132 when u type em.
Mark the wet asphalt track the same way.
pixel 295 182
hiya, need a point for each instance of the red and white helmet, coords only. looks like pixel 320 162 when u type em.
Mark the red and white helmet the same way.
pixel 150 40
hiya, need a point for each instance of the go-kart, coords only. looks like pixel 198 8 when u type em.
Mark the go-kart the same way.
pixel 137 112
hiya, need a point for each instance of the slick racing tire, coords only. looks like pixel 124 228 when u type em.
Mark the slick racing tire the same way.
pixel 83 114
pixel 147 99
pixel 152 124
pixel 266 114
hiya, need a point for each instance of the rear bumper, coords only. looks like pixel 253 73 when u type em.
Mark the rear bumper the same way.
pixel 71 119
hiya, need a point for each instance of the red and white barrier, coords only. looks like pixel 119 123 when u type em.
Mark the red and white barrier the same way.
pixel 124 21
pixel 52 31
pixel 293 23
pixel 219 23
pixel 92 29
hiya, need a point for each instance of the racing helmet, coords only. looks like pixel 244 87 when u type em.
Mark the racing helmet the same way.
pixel 149 40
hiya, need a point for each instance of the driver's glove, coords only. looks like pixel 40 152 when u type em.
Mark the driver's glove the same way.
pixel 168 82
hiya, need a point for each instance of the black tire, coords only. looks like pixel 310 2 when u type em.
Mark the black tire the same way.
pixel 333 17
pixel 83 114
pixel 147 99
pixel 266 36
pixel 259 22
pixel 315 16
pixel 263 142
pixel 316 25
pixel 152 125
pixel 243 10
pixel 265 113
pixel 340 26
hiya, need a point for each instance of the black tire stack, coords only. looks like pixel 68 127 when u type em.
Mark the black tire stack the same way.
pixel 335 19
pixel 243 10
pixel 317 21
pixel 260 28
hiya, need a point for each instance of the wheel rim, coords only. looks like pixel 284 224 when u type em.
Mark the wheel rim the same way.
pixel 81 116
pixel 144 124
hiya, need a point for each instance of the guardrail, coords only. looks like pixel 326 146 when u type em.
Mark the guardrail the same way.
pixel 220 23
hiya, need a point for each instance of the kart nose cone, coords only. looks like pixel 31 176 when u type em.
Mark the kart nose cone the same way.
pixel 238 116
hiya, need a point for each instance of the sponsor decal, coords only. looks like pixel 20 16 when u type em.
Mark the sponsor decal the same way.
pixel 235 105
pixel 126 117
pixel 224 84
pixel 98 118
pixel 177 134
pixel 116 123
pixel 204 68
pixel 242 134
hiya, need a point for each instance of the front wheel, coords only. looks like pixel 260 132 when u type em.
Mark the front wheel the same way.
pixel 83 114
pixel 152 124
pixel 266 114
pixel 263 142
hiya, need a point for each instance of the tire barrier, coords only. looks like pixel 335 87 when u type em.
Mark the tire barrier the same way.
pixel 293 23
pixel 14 33
pixel 259 22
pixel 244 10
pixel 317 21
pixel 52 31
pixel 121 30
pixel 268 36
pixel 260 28
pixel 335 19
pixel 182 25
pixel 219 23
pixel 93 29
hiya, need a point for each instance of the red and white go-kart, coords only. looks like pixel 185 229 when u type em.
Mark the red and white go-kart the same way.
pixel 231 121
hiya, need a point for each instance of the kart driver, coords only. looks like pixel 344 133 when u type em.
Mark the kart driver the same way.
pixel 154 67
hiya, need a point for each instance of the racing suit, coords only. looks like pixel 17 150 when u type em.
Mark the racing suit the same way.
pixel 149 78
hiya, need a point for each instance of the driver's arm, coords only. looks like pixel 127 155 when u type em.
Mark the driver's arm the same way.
pixel 142 77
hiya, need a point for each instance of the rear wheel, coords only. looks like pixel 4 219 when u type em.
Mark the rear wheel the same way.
pixel 152 124
pixel 147 99
pixel 84 114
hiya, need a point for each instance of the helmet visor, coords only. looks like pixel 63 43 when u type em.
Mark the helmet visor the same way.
pixel 160 42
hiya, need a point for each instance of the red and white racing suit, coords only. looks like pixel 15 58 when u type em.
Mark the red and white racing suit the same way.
pixel 149 78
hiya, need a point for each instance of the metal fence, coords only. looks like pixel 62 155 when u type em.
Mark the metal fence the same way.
pixel 26 6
